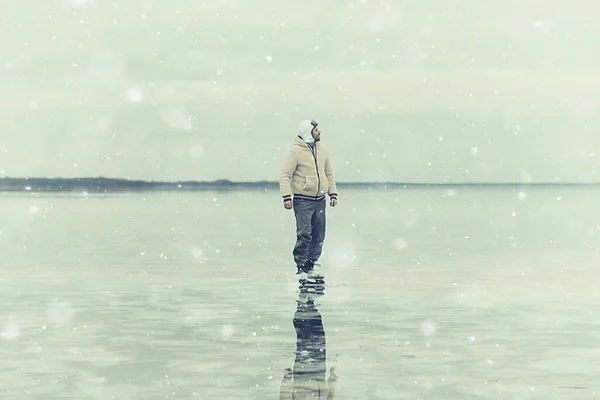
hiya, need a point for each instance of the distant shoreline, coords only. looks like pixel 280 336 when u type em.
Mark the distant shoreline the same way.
pixel 106 185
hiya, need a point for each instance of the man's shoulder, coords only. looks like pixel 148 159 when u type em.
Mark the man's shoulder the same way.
pixel 323 148
pixel 292 151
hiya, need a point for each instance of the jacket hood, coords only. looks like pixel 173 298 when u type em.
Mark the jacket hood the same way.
pixel 301 143
pixel 305 131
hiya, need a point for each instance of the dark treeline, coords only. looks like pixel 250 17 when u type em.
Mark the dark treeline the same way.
pixel 103 185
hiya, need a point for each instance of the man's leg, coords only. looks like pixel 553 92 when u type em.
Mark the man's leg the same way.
pixel 304 210
pixel 317 231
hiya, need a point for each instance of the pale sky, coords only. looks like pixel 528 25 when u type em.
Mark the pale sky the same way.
pixel 413 91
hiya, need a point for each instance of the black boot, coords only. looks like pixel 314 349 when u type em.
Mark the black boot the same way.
pixel 309 268
pixel 309 280
pixel 302 268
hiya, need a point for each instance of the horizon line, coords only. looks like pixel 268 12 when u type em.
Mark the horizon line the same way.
pixel 228 182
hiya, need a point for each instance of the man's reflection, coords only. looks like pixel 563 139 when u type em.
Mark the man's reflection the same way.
pixel 307 379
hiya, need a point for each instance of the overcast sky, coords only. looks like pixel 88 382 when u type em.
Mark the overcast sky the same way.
pixel 427 91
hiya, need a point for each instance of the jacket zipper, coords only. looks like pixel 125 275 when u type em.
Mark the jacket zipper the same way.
pixel 314 153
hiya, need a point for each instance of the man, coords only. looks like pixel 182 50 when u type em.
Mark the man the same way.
pixel 307 174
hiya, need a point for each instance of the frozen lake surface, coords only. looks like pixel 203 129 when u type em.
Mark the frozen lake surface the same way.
pixel 464 293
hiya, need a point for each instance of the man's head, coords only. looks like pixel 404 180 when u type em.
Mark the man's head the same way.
pixel 309 132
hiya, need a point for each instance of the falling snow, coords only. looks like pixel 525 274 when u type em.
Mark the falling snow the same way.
pixel 135 95
pixel 60 313
pixel 429 328
pixel 10 332
pixel 400 244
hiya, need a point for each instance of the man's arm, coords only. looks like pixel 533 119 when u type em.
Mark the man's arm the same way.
pixel 329 174
pixel 285 176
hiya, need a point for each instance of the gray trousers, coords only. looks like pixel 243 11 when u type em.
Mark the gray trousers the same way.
pixel 310 229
